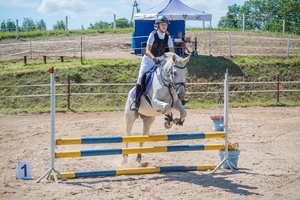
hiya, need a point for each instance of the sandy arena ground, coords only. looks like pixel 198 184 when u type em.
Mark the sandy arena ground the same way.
pixel 268 167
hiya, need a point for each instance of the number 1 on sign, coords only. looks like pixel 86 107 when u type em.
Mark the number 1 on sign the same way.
pixel 23 170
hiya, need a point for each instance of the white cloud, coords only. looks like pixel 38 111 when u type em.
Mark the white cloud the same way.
pixel 73 8
pixel 19 3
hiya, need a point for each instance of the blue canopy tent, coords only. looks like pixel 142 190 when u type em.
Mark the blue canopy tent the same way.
pixel 174 10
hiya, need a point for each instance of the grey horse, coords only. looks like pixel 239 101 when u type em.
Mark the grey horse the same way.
pixel 165 93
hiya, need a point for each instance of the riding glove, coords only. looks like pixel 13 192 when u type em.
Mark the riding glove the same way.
pixel 156 61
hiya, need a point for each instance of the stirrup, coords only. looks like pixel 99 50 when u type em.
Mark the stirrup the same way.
pixel 134 106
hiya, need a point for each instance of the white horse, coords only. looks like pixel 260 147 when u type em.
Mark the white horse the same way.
pixel 165 92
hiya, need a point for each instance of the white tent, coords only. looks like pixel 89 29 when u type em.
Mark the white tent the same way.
pixel 173 10
pixel 176 11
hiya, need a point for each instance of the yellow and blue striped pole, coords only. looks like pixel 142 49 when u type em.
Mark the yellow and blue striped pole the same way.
pixel 134 171
pixel 146 138
pixel 138 150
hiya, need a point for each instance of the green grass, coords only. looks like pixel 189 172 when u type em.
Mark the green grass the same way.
pixel 202 69
pixel 39 34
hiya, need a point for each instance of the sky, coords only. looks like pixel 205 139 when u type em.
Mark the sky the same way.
pixel 83 12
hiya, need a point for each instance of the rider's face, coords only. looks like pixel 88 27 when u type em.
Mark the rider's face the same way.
pixel 163 26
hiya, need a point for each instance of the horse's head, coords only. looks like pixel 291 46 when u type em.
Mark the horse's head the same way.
pixel 177 71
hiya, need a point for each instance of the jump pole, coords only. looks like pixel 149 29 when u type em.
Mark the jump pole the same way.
pixel 135 171
pixel 143 138
pixel 52 132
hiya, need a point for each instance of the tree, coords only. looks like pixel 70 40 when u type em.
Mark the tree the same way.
pixel 41 25
pixel 290 11
pixel 231 20
pixel 264 15
pixel 8 25
pixel 60 25
pixel 100 25
pixel 28 24
pixel 3 26
pixel 122 23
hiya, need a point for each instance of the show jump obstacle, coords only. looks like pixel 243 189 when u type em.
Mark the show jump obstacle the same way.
pixel 54 174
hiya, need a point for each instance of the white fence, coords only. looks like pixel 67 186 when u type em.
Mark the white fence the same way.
pixel 106 46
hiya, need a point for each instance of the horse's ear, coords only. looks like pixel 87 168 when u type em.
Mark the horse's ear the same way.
pixel 186 59
pixel 174 57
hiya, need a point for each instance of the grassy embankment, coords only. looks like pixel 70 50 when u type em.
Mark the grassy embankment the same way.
pixel 202 69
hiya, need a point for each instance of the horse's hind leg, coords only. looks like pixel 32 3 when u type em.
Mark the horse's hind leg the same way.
pixel 147 122
pixel 130 117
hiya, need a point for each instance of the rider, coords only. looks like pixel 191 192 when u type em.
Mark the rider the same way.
pixel 157 42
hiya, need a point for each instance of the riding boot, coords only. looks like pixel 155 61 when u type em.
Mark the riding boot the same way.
pixel 184 101
pixel 136 103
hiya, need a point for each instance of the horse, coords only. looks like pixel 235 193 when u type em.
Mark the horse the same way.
pixel 166 91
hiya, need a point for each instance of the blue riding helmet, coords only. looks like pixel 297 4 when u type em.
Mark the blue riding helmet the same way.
pixel 161 19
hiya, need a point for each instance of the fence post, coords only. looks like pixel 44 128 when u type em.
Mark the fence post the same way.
pixel 203 25
pixel 243 22
pixel 283 27
pixel 288 48
pixel 69 90
pixel 30 47
pixel 45 57
pixel 277 88
pixel 81 51
pixel 17 30
pixel 229 41
pixel 67 31
pixel 114 23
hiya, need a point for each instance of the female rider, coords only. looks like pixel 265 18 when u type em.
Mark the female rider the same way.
pixel 157 43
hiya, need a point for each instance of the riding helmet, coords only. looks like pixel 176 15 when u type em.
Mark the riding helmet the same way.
pixel 161 19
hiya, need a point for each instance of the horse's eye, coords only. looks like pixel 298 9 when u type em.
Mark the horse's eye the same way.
pixel 175 73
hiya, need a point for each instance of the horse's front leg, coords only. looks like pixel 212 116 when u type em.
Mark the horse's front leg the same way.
pixel 161 106
pixel 164 108
pixel 178 106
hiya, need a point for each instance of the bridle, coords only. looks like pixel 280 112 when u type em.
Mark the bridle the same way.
pixel 167 80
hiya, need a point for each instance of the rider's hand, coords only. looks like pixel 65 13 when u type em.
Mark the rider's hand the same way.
pixel 156 61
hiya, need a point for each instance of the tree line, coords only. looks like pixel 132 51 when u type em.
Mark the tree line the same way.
pixel 30 25
pixel 265 15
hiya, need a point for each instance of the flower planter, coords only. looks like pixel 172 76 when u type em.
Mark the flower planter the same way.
pixel 218 125
pixel 233 156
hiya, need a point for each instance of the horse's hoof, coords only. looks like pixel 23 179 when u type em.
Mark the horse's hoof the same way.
pixel 145 164
pixel 178 122
pixel 168 125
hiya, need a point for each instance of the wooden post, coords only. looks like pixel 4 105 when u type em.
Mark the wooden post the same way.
pixel 67 29
pixel 17 30
pixel 283 27
pixel 69 90
pixel 25 60
pixel 277 88
pixel 243 22
pixel 229 41
pixel 288 48
pixel 61 58
pixel 115 23
pixel 45 58
pixel 81 51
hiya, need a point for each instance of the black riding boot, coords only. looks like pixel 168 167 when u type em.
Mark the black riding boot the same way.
pixel 136 103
